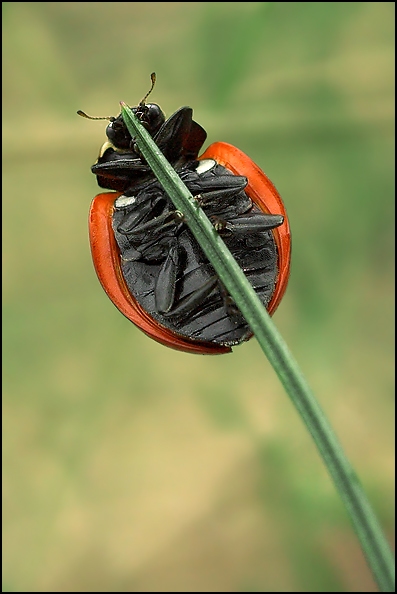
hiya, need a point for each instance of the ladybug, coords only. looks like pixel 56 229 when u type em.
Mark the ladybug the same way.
pixel 147 259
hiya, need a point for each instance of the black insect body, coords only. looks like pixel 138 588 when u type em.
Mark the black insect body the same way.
pixel 162 264
pixel 120 164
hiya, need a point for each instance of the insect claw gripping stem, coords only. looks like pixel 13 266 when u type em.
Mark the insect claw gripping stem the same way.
pixel 219 224
pixel 179 216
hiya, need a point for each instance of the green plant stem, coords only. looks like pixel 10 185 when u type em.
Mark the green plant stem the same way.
pixel 373 542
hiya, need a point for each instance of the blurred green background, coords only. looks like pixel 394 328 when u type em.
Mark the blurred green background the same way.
pixel 132 467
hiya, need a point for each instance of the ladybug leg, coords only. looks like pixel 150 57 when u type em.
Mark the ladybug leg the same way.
pixel 213 198
pixel 248 224
pixel 158 224
pixel 113 166
pixel 146 239
pixel 164 291
pixel 132 220
pixel 190 303
pixel 216 193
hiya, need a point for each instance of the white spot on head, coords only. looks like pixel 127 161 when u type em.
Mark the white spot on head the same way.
pixel 205 165
pixel 124 201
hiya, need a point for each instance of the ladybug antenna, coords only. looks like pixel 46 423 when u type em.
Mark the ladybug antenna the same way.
pixel 84 115
pixel 153 79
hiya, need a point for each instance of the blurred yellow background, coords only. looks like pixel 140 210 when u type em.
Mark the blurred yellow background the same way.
pixel 132 467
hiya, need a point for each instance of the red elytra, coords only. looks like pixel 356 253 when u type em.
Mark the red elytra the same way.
pixel 106 258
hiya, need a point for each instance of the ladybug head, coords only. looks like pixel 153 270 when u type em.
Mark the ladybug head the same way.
pixel 150 115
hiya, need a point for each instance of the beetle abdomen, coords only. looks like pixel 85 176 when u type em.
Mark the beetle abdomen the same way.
pixel 167 272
